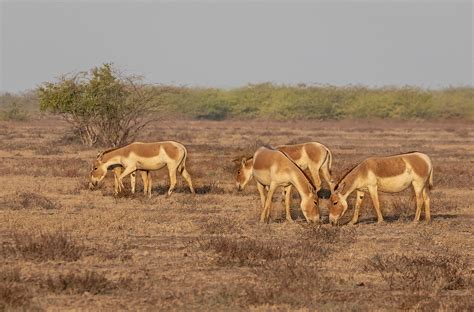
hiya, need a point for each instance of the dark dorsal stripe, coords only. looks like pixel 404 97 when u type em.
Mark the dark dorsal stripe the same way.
pixel 308 180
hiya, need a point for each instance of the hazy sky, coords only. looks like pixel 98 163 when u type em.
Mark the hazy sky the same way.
pixel 232 43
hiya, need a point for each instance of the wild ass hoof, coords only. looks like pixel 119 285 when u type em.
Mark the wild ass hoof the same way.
pixel 352 223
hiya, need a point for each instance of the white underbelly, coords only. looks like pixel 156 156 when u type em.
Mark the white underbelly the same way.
pixel 394 184
pixel 152 163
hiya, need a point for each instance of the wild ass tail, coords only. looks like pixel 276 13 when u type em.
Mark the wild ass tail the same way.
pixel 182 163
pixel 329 160
pixel 430 180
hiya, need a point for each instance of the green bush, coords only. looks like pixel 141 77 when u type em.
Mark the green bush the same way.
pixel 14 113
pixel 102 106
pixel 100 99
pixel 319 102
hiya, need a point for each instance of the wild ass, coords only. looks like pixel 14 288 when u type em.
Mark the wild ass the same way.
pixel 390 174
pixel 145 157
pixel 273 168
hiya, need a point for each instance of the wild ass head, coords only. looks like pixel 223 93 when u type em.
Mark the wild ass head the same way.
pixel 310 207
pixel 98 172
pixel 339 204
pixel 243 172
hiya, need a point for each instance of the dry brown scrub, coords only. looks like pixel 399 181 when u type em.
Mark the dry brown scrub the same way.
pixel 64 246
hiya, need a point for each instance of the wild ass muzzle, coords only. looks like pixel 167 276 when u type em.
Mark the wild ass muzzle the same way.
pixel 144 157
pixel 390 174
pixel 272 168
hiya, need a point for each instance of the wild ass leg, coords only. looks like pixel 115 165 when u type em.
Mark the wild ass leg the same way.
pixel 360 197
pixel 149 183
pixel 125 173
pixel 287 203
pixel 315 176
pixel 265 216
pixel 261 191
pixel 146 181
pixel 375 200
pixel 419 201
pixel 426 199
pixel 172 173
pixel 133 181
pixel 187 177
pixel 117 171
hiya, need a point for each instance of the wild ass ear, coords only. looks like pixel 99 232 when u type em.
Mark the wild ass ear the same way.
pixel 340 186
pixel 238 160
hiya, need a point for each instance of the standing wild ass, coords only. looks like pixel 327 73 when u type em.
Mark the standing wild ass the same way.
pixel 144 157
pixel 387 174
pixel 273 168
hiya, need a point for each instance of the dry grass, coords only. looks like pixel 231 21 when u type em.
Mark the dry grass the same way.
pixel 27 200
pixel 246 251
pixel 14 296
pixel 44 247
pixel 414 272
pixel 64 246
pixel 89 282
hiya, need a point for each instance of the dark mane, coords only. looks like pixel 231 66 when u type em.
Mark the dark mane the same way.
pixel 345 175
pixel 271 147
pixel 310 182
pixel 111 150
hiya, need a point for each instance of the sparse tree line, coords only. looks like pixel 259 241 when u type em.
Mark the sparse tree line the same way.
pixel 108 108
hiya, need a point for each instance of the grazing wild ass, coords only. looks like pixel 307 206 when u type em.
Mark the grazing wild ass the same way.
pixel 144 157
pixel 390 174
pixel 273 168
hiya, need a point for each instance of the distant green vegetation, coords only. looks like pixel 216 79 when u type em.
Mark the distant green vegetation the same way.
pixel 282 102
pixel 317 102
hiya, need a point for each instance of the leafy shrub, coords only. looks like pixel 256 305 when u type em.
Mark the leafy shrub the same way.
pixel 101 106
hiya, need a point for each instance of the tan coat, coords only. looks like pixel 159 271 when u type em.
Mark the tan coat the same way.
pixel 144 157
pixel 387 174
pixel 272 168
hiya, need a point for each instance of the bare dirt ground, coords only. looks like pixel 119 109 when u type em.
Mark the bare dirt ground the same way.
pixel 64 247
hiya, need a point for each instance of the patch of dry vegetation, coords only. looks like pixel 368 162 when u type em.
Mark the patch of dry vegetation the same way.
pixel 45 246
pixel 27 200
pixel 13 294
pixel 426 271
pixel 79 282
